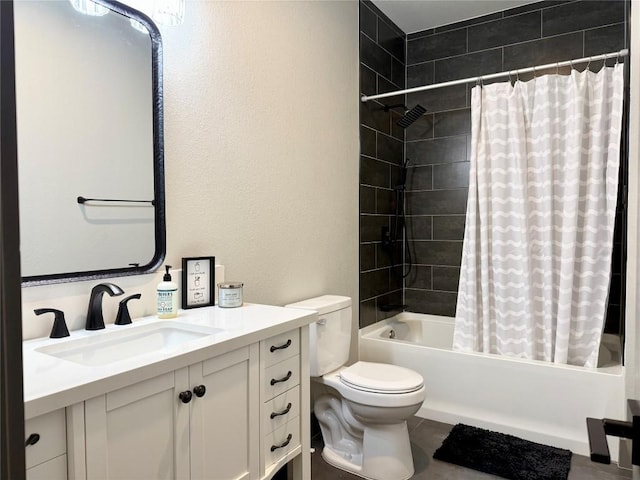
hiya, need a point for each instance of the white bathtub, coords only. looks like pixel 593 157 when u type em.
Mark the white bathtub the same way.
pixel 539 401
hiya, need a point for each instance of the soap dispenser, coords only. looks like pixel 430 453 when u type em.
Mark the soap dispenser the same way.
pixel 167 296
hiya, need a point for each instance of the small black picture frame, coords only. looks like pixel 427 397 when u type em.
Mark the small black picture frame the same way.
pixel 198 280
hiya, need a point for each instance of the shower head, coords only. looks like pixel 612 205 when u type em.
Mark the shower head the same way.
pixel 411 116
pixel 388 108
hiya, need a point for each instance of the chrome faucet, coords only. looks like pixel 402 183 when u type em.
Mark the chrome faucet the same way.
pixel 95 320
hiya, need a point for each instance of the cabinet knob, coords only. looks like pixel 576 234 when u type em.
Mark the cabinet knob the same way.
pixel 185 396
pixel 281 347
pixel 32 440
pixel 199 390
pixel 283 379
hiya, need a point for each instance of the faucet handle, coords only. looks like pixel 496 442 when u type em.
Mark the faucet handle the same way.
pixel 59 329
pixel 124 317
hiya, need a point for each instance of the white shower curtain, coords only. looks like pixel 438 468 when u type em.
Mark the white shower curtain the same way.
pixel 536 259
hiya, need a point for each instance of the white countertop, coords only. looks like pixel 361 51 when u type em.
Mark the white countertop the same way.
pixel 51 383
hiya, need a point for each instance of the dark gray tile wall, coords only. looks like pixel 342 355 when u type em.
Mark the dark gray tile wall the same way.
pixel 438 145
pixel 382 69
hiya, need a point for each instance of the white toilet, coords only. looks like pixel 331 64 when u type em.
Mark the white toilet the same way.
pixel 363 422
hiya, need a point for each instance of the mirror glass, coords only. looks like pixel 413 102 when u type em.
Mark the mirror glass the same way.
pixel 88 100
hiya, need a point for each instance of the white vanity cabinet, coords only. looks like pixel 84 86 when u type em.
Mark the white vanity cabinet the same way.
pixel 193 423
pixel 285 411
pixel 223 420
pixel 46 446
pixel 233 406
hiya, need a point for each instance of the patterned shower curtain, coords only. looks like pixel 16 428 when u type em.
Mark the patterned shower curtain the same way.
pixel 536 261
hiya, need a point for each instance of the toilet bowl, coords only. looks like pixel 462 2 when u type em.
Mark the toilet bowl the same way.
pixel 377 392
pixel 369 417
pixel 363 418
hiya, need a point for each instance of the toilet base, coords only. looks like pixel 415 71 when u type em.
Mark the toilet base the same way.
pixel 386 454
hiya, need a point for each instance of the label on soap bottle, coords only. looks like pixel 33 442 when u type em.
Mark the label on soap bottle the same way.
pixel 167 303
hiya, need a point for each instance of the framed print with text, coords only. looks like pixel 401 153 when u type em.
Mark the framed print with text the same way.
pixel 198 280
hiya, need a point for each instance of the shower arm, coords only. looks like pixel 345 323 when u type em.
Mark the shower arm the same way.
pixel 398 105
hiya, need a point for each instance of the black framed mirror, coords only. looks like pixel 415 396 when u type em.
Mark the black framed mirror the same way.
pixel 90 141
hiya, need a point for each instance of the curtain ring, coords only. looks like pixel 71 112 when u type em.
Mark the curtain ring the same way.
pixel 534 72
pixel 557 68
pixel 588 63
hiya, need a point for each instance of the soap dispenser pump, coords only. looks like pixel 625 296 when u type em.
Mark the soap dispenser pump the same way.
pixel 167 296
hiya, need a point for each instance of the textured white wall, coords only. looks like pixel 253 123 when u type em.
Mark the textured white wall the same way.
pixel 262 145
pixel 261 153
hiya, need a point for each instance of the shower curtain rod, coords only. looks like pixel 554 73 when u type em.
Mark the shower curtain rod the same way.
pixel 621 53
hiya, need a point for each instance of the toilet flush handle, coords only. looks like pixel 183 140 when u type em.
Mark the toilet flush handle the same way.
pixel 322 321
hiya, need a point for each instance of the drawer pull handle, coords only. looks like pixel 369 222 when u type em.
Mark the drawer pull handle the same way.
pixel 283 412
pixel 283 444
pixel 185 396
pixel 199 390
pixel 281 347
pixel 32 440
pixel 283 379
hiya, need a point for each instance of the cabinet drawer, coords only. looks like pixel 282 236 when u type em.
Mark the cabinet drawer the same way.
pixel 281 377
pixel 281 441
pixel 280 347
pixel 55 469
pixel 51 428
pixel 277 412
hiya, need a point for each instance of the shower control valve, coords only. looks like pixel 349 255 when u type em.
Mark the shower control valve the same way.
pixel 386 238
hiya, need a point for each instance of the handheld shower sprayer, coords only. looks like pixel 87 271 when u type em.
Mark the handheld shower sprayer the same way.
pixel 399 235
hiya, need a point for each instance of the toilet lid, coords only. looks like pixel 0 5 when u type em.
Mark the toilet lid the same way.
pixel 381 378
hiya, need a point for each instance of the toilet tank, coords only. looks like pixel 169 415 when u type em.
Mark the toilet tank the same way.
pixel 330 336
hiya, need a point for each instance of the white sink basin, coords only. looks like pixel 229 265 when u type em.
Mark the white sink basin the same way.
pixel 104 348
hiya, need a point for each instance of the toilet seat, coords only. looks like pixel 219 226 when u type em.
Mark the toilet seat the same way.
pixel 380 398
pixel 381 378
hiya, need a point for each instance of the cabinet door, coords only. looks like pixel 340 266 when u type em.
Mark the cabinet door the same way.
pixel 139 432
pixel 224 420
pixel 54 469
pixel 49 438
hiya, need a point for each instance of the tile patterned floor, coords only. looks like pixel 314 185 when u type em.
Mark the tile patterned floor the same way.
pixel 427 436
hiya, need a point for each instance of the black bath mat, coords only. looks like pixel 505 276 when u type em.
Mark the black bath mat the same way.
pixel 503 455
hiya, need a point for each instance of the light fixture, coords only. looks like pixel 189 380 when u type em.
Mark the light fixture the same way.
pixel 138 26
pixel 163 12
pixel 168 12
pixel 89 7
